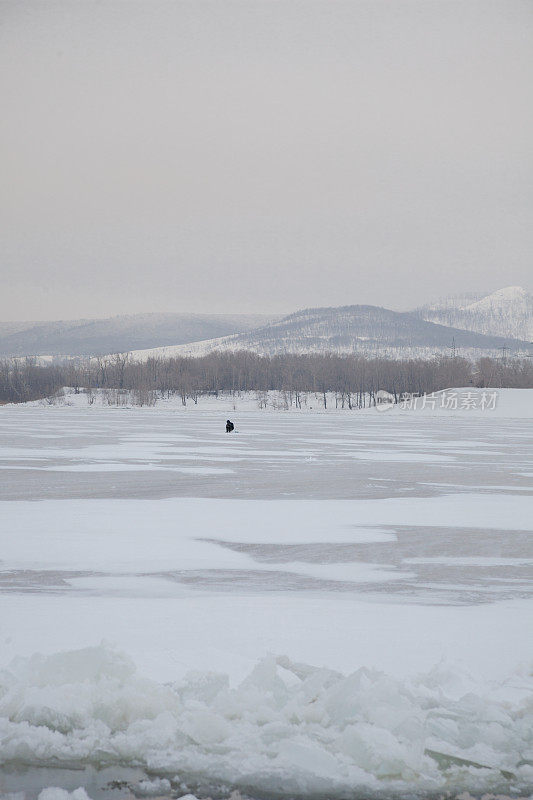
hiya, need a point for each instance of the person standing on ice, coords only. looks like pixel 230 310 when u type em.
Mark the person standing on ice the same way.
pixel 229 426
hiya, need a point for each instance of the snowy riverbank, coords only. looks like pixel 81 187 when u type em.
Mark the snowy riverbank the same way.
pixel 514 403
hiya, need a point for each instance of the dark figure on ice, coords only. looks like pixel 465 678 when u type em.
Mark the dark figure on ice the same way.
pixel 229 426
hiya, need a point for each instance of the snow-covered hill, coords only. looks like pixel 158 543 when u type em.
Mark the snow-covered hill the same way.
pixel 507 312
pixel 500 299
pixel 366 330
pixel 475 325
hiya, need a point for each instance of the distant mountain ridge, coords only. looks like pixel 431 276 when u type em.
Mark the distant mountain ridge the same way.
pixel 508 312
pixel 369 330
pixel 90 337
pixel 470 324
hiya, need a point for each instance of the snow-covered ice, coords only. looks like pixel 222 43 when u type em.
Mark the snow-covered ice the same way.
pixel 334 604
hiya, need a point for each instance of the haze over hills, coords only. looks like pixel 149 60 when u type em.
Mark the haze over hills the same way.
pixel 473 324
pixel 90 337
pixel 507 312
pixel 367 330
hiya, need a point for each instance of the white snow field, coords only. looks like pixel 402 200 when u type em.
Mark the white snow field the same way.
pixel 323 604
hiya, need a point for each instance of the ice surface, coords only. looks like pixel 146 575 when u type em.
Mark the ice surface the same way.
pixel 392 551
pixel 287 728
pixel 55 793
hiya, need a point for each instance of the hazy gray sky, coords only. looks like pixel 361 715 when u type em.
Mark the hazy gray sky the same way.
pixel 261 156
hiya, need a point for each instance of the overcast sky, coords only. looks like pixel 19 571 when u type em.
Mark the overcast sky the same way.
pixel 261 156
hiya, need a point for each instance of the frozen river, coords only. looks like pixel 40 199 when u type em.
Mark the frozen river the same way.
pixel 361 579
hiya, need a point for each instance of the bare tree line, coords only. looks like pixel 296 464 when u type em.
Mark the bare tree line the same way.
pixel 353 379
